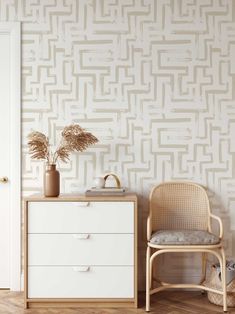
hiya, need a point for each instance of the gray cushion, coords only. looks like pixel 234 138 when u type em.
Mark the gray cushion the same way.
pixel 184 237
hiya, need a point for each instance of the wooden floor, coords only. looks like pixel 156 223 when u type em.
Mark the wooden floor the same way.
pixel 169 302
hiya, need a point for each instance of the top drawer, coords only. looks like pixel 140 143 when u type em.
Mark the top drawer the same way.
pixel 81 217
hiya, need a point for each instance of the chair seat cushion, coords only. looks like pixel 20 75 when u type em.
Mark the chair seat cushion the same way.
pixel 184 237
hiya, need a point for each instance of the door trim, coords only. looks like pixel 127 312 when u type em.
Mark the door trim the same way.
pixel 14 31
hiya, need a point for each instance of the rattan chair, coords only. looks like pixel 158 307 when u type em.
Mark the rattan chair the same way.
pixel 180 221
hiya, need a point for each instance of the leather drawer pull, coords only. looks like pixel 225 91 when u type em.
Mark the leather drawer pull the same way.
pixel 81 236
pixel 82 269
pixel 83 204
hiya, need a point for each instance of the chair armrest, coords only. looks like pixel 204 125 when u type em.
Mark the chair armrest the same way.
pixel 149 229
pixel 221 231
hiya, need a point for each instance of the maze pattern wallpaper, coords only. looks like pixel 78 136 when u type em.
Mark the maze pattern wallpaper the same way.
pixel 153 80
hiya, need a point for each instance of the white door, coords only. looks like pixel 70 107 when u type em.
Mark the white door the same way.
pixel 9 155
pixel 5 129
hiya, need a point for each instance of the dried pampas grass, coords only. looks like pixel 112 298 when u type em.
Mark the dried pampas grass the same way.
pixel 74 138
pixel 38 145
pixel 78 139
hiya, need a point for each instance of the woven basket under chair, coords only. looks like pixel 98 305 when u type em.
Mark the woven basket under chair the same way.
pixel 214 282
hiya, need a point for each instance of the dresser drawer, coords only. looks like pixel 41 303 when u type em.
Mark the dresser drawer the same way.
pixel 81 217
pixel 81 249
pixel 81 282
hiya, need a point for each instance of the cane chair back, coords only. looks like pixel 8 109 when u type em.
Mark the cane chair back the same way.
pixel 179 206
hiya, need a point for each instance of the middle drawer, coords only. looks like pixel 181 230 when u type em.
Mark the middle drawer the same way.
pixel 80 249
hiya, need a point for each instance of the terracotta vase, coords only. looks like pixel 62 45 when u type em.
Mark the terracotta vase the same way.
pixel 51 181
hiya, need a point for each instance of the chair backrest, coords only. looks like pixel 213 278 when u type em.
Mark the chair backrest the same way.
pixel 179 205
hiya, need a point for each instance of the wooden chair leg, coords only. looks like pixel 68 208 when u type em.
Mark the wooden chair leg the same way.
pixel 148 279
pixel 223 278
pixel 151 273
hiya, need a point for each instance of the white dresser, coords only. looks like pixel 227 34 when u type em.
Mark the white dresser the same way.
pixel 81 251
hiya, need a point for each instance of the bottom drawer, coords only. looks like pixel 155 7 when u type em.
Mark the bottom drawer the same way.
pixel 80 282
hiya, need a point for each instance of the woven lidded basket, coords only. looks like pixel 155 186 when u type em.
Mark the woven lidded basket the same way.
pixel 213 281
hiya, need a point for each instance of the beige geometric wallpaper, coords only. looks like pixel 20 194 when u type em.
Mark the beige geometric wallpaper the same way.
pixel 153 80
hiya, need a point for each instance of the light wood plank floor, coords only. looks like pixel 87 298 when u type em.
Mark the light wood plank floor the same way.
pixel 177 302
